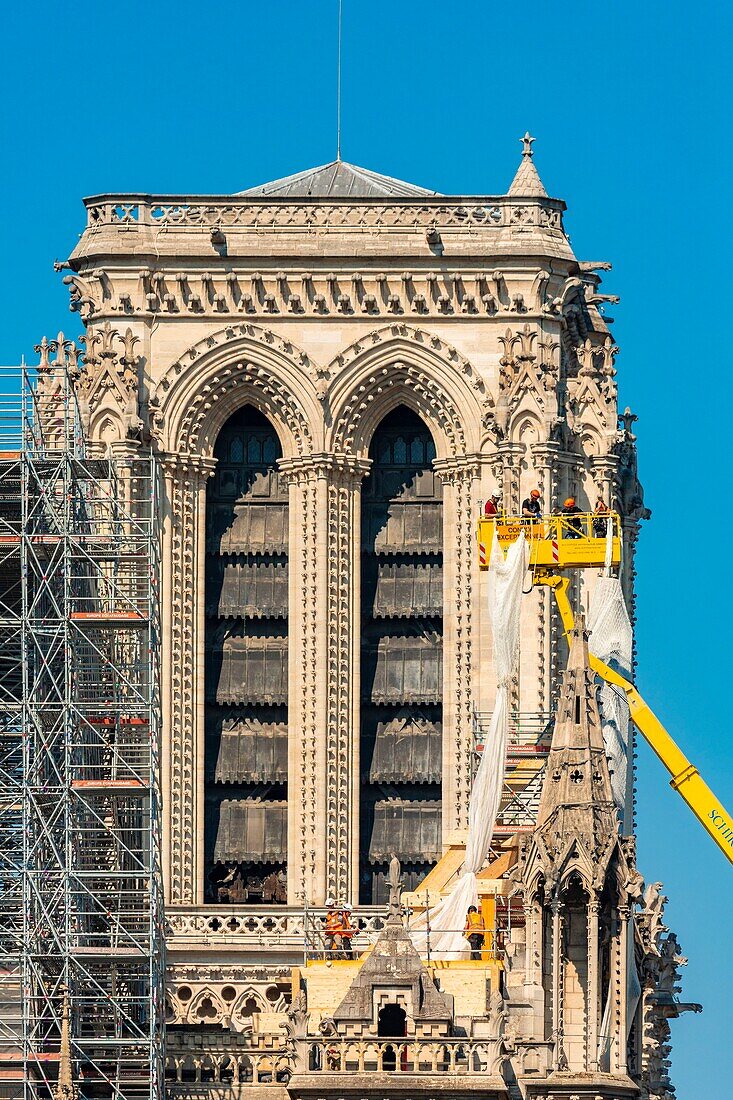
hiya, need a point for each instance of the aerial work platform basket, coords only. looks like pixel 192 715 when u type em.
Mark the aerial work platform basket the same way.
pixel 577 541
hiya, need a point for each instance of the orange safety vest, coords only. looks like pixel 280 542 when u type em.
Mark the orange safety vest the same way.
pixel 474 925
pixel 346 929
pixel 333 921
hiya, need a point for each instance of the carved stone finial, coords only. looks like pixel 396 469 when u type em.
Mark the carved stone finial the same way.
pixel 65 1084
pixel 527 145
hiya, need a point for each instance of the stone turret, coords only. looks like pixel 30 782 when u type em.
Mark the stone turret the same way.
pixel 577 818
pixel 579 882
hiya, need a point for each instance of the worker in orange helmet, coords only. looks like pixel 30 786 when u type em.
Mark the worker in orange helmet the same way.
pixel 573 527
pixel 531 507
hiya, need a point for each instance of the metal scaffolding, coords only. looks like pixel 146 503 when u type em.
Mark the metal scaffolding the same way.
pixel 528 746
pixel 81 982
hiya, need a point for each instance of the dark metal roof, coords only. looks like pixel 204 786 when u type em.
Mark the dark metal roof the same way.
pixel 338 180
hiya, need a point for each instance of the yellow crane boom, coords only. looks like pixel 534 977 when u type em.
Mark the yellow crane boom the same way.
pixel 686 779
pixel 585 548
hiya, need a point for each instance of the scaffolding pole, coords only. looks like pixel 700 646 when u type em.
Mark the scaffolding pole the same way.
pixel 89 939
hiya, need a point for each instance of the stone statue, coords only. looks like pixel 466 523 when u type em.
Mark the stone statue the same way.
pixel 394 880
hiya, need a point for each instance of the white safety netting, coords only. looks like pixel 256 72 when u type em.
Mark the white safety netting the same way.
pixel 505 598
pixel 611 640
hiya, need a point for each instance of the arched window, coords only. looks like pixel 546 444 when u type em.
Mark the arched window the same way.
pixel 401 656
pixel 246 666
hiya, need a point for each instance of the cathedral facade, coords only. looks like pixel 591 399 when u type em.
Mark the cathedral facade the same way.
pixel 336 370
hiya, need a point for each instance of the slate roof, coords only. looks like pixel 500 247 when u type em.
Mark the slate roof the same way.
pixel 527 182
pixel 339 180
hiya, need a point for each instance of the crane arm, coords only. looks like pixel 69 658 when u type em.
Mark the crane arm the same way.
pixel 686 779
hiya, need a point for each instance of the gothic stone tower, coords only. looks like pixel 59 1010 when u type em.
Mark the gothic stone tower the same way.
pixel 336 369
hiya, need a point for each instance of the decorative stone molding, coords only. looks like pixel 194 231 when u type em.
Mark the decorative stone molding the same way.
pixel 228 1003
pixel 401 365
pixel 459 477
pixel 304 711
pixel 53 412
pixel 185 480
pixel 529 375
pixel 107 389
pixel 228 368
pixel 344 477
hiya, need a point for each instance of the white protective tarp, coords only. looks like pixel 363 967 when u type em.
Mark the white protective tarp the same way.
pixel 633 996
pixel 505 598
pixel 611 639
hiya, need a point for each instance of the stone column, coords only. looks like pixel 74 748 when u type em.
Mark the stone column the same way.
pixel 532 924
pixel 306 714
pixel 557 981
pixel 620 978
pixel 549 625
pixel 605 474
pixel 593 1001
pixel 182 674
pixel 343 477
pixel 460 591
pixel 323 678
pixel 510 455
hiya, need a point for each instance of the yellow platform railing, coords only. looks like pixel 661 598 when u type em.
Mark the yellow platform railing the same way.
pixel 576 541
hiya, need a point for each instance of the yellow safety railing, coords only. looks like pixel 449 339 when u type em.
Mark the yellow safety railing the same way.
pixel 565 541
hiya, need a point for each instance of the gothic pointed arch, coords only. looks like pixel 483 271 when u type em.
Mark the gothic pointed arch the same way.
pixel 401 365
pixel 236 365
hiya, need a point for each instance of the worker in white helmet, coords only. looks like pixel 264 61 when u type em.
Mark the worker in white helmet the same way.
pixel 347 931
pixel 332 928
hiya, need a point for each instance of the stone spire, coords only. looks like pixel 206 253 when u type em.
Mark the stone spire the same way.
pixel 577 806
pixel 527 180
pixel 65 1084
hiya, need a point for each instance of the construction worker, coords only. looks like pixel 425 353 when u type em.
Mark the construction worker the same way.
pixel 573 527
pixel 347 932
pixel 600 518
pixel 474 931
pixel 332 929
pixel 491 508
pixel 531 507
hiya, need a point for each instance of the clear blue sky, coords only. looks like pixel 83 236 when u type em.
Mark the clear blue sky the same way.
pixel 630 104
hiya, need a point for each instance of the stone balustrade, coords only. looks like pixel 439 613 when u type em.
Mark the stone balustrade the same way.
pixel 254 1066
pixel 284 927
pixel 246 212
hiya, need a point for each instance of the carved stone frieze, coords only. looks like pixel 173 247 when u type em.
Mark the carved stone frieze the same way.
pixel 290 295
